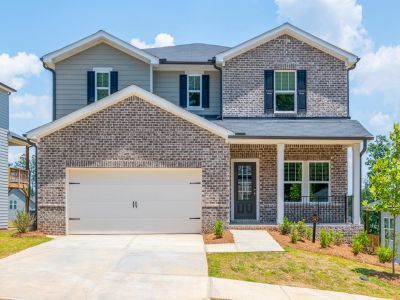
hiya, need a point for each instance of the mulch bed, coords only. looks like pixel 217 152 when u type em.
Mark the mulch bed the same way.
pixel 344 251
pixel 29 234
pixel 209 238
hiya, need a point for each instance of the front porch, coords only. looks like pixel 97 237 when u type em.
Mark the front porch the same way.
pixel 297 181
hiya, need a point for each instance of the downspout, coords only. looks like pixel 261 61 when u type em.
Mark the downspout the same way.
pixel 220 84
pixel 54 87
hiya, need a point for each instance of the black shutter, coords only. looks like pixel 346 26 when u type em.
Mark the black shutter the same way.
pixel 90 87
pixel 113 82
pixel 301 91
pixel 268 91
pixel 183 90
pixel 205 91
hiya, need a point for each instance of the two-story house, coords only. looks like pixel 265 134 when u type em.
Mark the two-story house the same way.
pixel 169 140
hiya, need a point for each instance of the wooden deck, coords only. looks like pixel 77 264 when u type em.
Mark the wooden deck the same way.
pixel 18 179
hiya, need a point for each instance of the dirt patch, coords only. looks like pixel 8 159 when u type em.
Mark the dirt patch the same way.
pixel 29 234
pixel 209 238
pixel 343 251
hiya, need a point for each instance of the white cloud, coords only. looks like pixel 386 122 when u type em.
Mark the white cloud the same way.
pixel 337 21
pixel 381 122
pixel 28 106
pixel 14 70
pixel 161 40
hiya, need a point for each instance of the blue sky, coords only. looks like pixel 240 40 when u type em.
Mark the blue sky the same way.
pixel 367 28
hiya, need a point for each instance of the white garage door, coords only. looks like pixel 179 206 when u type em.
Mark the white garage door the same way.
pixel 107 201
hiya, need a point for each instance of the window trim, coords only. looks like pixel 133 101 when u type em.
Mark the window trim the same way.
pixel 282 92
pixel 309 182
pixel 290 181
pixel 384 230
pixel 200 107
pixel 102 70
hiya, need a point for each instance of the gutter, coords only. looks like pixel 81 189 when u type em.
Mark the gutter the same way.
pixel 239 135
pixel 54 86
pixel 214 63
pixel 164 61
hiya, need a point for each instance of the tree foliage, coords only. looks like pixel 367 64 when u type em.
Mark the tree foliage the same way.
pixel 21 164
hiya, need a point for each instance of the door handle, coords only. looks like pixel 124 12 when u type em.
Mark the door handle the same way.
pixel 134 204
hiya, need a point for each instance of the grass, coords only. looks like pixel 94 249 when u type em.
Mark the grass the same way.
pixel 10 245
pixel 301 268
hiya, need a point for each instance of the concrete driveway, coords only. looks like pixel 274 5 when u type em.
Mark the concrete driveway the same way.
pixel 108 267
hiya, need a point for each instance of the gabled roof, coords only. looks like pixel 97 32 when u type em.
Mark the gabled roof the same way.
pixel 286 28
pixel 6 88
pixel 99 37
pixel 121 95
pixel 196 52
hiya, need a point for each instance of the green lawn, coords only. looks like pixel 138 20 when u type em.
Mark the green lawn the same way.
pixel 305 269
pixel 10 245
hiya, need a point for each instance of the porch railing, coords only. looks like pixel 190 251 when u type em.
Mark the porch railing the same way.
pixel 332 209
pixel 18 178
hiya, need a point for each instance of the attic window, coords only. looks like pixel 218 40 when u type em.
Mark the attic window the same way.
pixel 102 81
pixel 285 91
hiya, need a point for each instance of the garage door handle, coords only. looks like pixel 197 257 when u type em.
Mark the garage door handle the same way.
pixel 134 204
pixel 74 219
pixel 194 218
pixel 196 182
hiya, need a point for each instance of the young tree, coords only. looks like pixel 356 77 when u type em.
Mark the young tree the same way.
pixel 385 182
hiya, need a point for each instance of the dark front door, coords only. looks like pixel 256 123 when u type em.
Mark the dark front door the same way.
pixel 245 189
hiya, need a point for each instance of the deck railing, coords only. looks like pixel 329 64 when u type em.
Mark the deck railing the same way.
pixel 329 209
pixel 18 178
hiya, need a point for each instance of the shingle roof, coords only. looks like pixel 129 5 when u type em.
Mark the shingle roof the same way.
pixel 295 129
pixel 196 52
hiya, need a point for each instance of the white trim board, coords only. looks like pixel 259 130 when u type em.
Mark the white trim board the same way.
pixel 132 90
pixel 99 37
pixel 287 28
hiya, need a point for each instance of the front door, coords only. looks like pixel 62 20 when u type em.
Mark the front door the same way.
pixel 245 190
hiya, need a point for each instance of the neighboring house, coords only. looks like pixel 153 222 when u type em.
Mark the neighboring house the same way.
pixel 387 227
pixel 5 91
pixel 16 201
pixel 169 140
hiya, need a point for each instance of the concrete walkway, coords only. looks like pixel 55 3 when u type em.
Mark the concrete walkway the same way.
pixel 247 241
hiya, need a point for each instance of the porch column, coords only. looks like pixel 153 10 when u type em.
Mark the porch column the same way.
pixel 356 184
pixel 280 163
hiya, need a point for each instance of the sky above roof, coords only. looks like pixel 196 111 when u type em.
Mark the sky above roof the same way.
pixel 367 28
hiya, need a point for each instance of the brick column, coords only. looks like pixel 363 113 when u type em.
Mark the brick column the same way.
pixel 280 163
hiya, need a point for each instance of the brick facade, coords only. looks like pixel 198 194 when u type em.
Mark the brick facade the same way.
pixel 243 79
pixel 267 154
pixel 131 133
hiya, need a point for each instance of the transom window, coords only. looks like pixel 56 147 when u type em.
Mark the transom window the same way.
pixel 13 204
pixel 319 181
pixel 194 91
pixel 388 227
pixel 102 82
pixel 285 91
pixel 293 181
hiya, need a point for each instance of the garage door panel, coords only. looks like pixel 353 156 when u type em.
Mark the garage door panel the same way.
pixel 101 200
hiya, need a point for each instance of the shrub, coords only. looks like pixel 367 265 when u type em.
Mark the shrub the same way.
pixel 325 238
pixel 385 254
pixel 301 229
pixel 337 237
pixel 294 236
pixel 286 226
pixel 360 242
pixel 23 221
pixel 218 229
pixel 309 233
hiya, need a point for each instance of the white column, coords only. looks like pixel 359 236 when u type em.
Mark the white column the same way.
pixel 356 184
pixel 280 162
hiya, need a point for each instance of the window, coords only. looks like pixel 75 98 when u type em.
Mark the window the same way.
pixel 285 91
pixel 13 204
pixel 194 91
pixel 293 181
pixel 102 81
pixel 388 227
pixel 319 181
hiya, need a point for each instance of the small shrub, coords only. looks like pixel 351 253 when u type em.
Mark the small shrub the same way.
pixel 325 238
pixel 360 242
pixel 23 221
pixel 309 232
pixel 218 229
pixel 286 226
pixel 356 246
pixel 337 237
pixel 385 254
pixel 294 236
pixel 301 229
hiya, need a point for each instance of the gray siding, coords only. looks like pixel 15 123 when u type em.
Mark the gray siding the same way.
pixel 71 73
pixel 166 85
pixel 4 110
pixel 19 196
pixel 3 178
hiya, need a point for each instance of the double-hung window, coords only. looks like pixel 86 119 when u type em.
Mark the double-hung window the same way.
pixel 194 91
pixel 285 91
pixel 388 227
pixel 13 204
pixel 319 181
pixel 293 181
pixel 102 81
